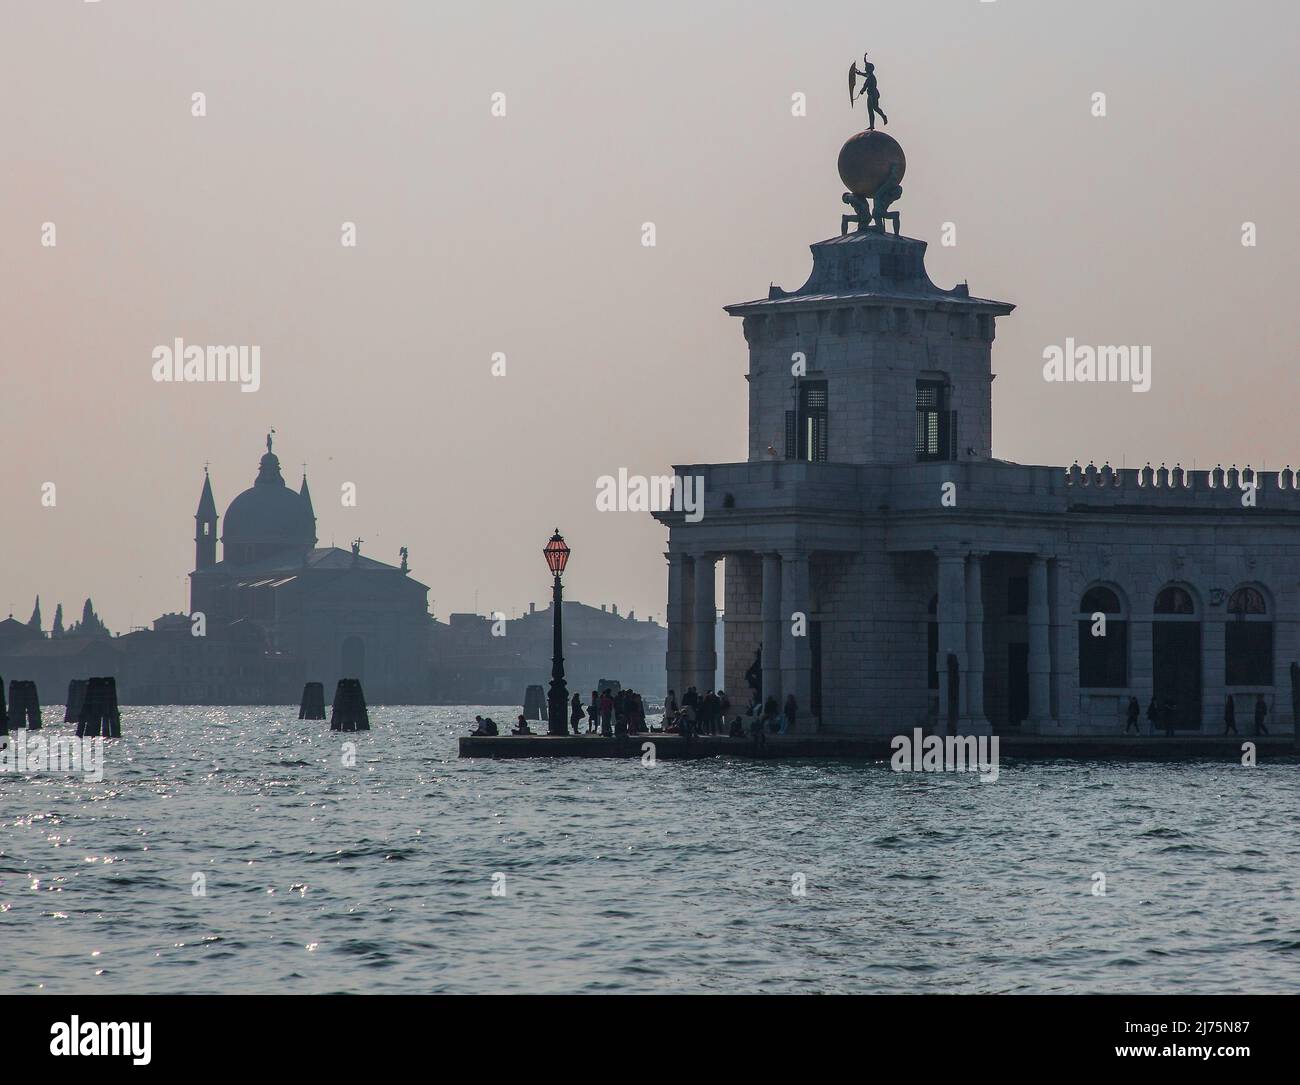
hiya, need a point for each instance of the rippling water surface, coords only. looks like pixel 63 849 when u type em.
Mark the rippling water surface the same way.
pixel 621 877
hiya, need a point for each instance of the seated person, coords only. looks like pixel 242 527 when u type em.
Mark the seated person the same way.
pixel 478 727
pixel 522 728
pixel 737 728
pixel 490 726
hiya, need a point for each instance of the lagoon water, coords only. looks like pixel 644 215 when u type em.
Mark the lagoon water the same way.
pixel 620 877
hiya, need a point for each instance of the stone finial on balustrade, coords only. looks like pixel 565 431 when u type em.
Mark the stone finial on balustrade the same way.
pixel 1107 475
pixel 1286 478
pixel 1232 478
pixel 1145 474
pixel 1090 474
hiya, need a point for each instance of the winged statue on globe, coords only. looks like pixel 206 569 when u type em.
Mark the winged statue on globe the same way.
pixel 872 163
pixel 869 90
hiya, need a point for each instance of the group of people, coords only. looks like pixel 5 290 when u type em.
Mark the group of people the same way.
pixel 616 714
pixel 712 714
pixel 1161 716
pixel 612 714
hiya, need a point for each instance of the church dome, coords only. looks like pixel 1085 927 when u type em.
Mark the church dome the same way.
pixel 268 517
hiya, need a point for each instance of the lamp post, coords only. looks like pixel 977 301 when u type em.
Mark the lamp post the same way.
pixel 557 699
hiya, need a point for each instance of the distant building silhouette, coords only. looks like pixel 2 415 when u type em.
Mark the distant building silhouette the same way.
pixel 475 667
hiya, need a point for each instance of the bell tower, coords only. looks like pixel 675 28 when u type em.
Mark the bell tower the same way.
pixel 205 527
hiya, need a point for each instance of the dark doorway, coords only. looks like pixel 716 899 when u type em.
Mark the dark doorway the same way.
pixel 1017 683
pixel 352 659
pixel 1176 672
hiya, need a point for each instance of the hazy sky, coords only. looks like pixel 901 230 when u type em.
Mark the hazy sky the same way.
pixel 522 234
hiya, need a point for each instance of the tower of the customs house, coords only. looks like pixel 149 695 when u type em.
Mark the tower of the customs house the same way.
pixel 869 361
pixel 205 527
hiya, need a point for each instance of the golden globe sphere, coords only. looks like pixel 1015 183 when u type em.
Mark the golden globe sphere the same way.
pixel 865 160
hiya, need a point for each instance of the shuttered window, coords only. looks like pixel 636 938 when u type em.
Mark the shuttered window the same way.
pixel 936 425
pixel 806 429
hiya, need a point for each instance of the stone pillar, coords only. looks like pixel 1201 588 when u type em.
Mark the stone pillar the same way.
pixel 706 617
pixel 952 629
pixel 976 723
pixel 1040 656
pixel 677 617
pixel 1214 660
pixel 796 655
pixel 1064 705
pixel 1141 678
pixel 771 611
pixel 1286 649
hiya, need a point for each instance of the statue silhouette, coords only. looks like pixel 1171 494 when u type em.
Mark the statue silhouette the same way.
pixel 869 88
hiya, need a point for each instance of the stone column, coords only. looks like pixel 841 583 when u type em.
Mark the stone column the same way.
pixel 706 617
pixel 976 722
pixel 677 616
pixel 1141 677
pixel 1064 705
pixel 1214 660
pixel 771 611
pixel 952 629
pixel 796 655
pixel 1040 656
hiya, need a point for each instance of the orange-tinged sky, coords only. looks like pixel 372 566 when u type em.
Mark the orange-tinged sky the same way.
pixel 522 234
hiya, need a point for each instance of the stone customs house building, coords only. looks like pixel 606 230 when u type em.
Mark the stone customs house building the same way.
pixel 936 585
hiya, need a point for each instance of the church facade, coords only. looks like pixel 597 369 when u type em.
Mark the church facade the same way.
pixel 889 571
pixel 322 613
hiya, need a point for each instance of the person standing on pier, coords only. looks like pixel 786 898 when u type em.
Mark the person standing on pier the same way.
pixel 1261 710
pixel 1229 716
pixel 708 713
pixel 756 729
pixel 670 705
pixel 593 713
pixel 791 712
pixel 606 710
pixel 1133 709
pixel 576 714
pixel 1153 714
pixel 771 710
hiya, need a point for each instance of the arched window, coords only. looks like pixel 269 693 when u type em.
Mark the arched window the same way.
pixel 1175 600
pixel 1103 640
pixel 1247 600
pixel 1248 639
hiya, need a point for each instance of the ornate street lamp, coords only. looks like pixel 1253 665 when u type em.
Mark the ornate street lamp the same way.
pixel 557 699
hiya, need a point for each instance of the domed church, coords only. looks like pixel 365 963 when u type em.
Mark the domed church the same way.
pixel 325 613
